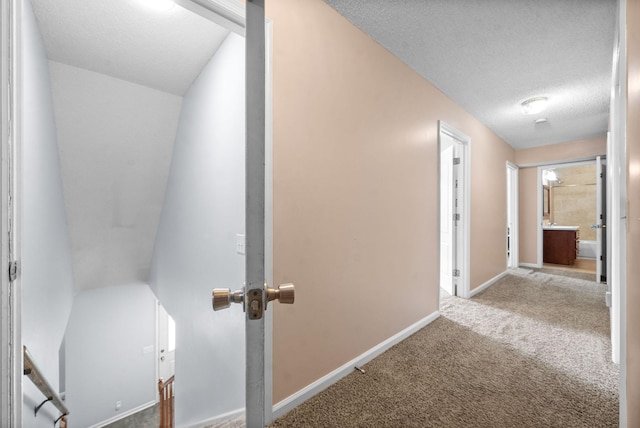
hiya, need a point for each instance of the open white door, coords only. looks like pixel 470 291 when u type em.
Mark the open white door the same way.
pixel 257 294
pixel 166 349
pixel 454 210
pixel 512 216
pixel 446 214
pixel 601 224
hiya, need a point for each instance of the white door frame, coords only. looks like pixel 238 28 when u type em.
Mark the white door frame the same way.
pixel 513 260
pixel 617 206
pixel 462 244
pixel 228 13
pixel 600 223
pixel 446 151
pixel 11 303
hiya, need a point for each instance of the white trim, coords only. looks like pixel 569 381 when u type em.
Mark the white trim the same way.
pixel 488 283
pixel 324 382
pixel 601 210
pixel 539 216
pixel 10 169
pixel 585 159
pixel 464 252
pixel 617 207
pixel 124 414
pixel 514 209
pixel 217 419
pixel 227 13
pixel 529 265
pixel 268 223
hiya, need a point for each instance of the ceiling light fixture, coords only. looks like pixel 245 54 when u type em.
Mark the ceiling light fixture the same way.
pixel 161 5
pixel 541 120
pixel 534 105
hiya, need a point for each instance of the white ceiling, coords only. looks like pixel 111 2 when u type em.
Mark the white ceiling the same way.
pixel 127 40
pixel 490 55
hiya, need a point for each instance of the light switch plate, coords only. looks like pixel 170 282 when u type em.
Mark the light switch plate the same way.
pixel 240 246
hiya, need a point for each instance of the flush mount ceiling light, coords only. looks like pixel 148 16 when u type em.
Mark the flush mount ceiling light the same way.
pixel 534 105
pixel 541 120
pixel 162 5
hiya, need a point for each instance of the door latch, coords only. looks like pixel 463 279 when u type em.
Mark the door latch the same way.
pixel 255 300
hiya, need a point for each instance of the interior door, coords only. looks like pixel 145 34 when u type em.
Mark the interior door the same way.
pixel 601 221
pixel 256 294
pixel 166 332
pixel 446 214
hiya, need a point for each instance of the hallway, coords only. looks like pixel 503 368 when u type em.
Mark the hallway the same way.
pixel 532 350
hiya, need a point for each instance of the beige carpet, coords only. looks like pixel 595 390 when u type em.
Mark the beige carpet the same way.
pixel 533 350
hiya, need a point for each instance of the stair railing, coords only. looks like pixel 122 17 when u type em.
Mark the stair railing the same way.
pixel 165 390
pixel 32 371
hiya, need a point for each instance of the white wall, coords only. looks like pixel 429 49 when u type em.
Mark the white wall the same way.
pixel 116 140
pixel 47 277
pixel 195 247
pixel 106 359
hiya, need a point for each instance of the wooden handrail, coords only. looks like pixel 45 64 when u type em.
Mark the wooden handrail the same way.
pixel 33 372
pixel 165 390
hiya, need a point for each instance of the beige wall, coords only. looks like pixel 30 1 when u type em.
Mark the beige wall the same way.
pixel 633 214
pixel 356 193
pixel 528 185
pixel 564 151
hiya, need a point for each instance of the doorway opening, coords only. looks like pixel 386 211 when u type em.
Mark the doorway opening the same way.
pixel 166 344
pixel 454 211
pixel 153 171
pixel 573 217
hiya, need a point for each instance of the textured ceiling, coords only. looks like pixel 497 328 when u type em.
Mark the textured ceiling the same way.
pixel 490 55
pixel 127 40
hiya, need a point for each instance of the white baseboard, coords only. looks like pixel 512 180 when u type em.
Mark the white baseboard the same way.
pixel 487 284
pixel 124 414
pixel 321 384
pixel 217 419
pixel 529 265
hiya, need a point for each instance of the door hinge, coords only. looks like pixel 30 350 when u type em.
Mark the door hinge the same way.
pixel 13 270
pixel 601 175
pixel 456 161
pixel 456 272
pixel 456 217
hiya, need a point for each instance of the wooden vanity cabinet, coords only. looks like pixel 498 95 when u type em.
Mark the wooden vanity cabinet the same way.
pixel 560 246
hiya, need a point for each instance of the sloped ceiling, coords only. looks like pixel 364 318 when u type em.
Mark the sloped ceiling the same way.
pixel 164 50
pixel 118 73
pixel 490 55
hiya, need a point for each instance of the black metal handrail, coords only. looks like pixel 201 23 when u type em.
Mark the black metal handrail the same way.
pixel 32 371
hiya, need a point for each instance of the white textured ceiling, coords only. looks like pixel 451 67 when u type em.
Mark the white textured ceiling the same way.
pixel 490 55
pixel 127 40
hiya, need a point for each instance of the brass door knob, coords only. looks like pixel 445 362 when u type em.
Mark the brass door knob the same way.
pixel 284 293
pixel 223 297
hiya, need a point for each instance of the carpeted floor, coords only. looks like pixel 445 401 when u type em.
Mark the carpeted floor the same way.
pixel 533 350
